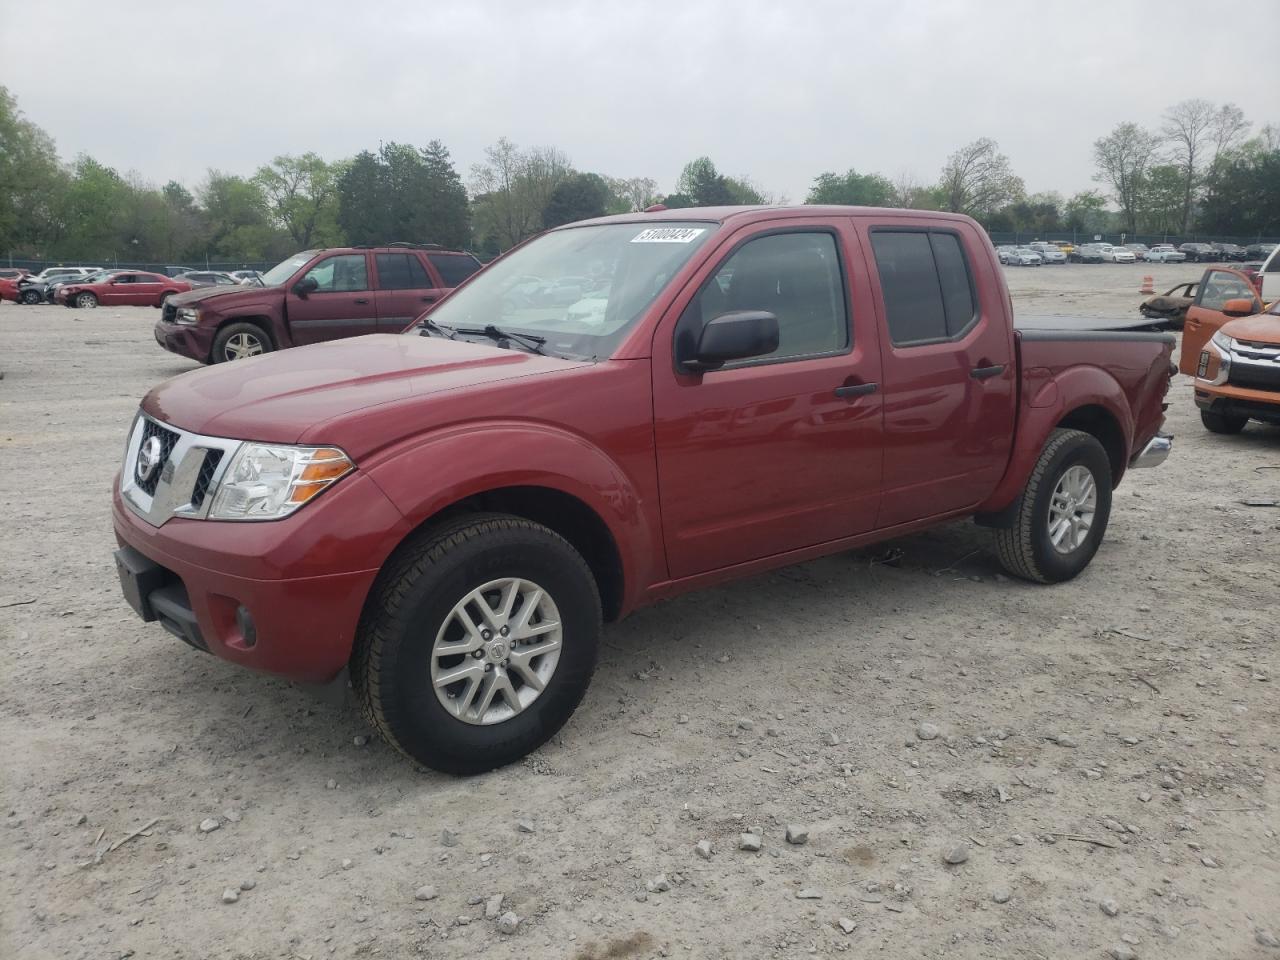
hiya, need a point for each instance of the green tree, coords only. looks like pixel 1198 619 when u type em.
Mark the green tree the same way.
pixel 1086 212
pixel 513 188
pixel 239 219
pixel 1163 195
pixel 852 189
pixel 362 204
pixel 1242 195
pixel 302 193
pixel 1123 158
pixel 579 197
pixel 705 185
pixel 30 180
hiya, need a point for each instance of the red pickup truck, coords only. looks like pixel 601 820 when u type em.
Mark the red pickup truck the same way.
pixel 314 296
pixel 615 412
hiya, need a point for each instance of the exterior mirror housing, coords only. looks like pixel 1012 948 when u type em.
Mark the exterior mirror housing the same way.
pixel 306 285
pixel 738 335
pixel 1241 308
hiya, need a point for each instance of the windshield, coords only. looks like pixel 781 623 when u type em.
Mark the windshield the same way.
pixel 580 288
pixel 283 271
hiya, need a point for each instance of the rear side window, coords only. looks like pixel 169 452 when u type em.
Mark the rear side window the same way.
pixel 927 288
pixel 402 271
pixel 453 269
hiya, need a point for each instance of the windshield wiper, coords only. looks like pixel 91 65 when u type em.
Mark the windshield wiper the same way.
pixel 528 340
pixel 430 325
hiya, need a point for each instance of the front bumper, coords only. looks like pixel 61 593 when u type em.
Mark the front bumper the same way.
pixel 1155 452
pixel 1227 400
pixel 276 596
pixel 186 340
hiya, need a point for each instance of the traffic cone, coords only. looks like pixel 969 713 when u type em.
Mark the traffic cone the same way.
pixel 1148 286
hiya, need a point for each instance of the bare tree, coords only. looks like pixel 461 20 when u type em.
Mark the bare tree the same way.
pixel 977 179
pixel 512 188
pixel 1227 128
pixel 1188 128
pixel 1123 157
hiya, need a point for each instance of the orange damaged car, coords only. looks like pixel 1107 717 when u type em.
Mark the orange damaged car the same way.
pixel 1231 345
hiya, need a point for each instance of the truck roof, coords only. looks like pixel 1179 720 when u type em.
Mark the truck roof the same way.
pixel 749 214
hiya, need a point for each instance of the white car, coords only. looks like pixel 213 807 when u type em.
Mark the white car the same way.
pixel 62 273
pixel 1006 253
pixel 1118 255
pixel 1025 257
pixel 1164 253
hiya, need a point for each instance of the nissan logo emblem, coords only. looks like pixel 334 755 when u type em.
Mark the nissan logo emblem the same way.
pixel 148 458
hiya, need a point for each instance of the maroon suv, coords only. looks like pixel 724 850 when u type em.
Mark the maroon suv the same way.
pixel 313 296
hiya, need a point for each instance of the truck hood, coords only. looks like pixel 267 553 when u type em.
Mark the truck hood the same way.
pixel 222 294
pixel 278 397
pixel 1260 328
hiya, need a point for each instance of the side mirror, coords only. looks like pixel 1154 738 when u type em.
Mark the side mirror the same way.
pixel 734 336
pixel 306 285
pixel 1241 308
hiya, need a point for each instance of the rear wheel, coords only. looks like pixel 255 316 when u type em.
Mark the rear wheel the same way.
pixel 1222 422
pixel 478 644
pixel 1063 514
pixel 86 300
pixel 30 297
pixel 236 341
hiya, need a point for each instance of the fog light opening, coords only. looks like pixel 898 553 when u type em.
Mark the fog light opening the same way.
pixel 248 629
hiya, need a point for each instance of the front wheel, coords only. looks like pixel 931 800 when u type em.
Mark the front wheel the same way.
pixel 1063 513
pixel 236 341
pixel 30 297
pixel 1222 422
pixel 86 300
pixel 478 644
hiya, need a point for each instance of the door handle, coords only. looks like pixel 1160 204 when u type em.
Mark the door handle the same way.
pixel 984 373
pixel 856 389
pixel 430 298
pixel 362 300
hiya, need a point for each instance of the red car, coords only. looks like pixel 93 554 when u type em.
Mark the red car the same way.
pixel 128 288
pixel 9 278
pixel 616 412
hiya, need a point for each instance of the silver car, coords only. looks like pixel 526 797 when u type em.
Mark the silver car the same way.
pixel 1026 257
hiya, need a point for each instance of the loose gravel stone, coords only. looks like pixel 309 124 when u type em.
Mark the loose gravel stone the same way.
pixel 1123 953
pixel 659 884
pixel 1267 938
pixel 1209 862
pixel 1109 907
pixel 956 854
pixel 425 892
pixel 525 826
pixel 847 925
pixel 1000 895
pixel 508 923
pixel 809 894
pixel 703 849
pixel 745 724
pixel 749 841
pixel 927 731
pixel 797 834
pixel 830 739
pixel 230 895
pixel 248 884
pixel 209 825
pixel 493 907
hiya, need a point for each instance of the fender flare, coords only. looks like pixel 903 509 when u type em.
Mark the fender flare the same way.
pixel 1049 400
pixel 435 471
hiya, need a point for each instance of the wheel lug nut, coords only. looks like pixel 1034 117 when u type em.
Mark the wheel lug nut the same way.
pixel 504 631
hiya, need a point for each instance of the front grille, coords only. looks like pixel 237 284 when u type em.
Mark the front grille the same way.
pixel 1254 377
pixel 168 312
pixel 210 466
pixel 167 440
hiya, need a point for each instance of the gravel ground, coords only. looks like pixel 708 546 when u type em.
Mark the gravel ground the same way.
pixel 983 768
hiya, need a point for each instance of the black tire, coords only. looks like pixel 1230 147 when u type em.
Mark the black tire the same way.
pixel 1222 422
pixel 392 660
pixel 87 300
pixel 1025 548
pixel 30 297
pixel 236 336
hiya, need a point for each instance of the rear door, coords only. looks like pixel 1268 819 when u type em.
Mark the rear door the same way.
pixel 145 290
pixel 342 305
pixel 1205 316
pixel 405 289
pixel 949 376
pixel 779 452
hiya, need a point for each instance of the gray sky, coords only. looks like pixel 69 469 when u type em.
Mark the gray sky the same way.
pixel 778 91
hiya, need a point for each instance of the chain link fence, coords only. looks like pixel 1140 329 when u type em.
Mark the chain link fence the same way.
pixel 35 266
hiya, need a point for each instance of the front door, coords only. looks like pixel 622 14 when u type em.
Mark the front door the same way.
pixel 779 452
pixel 116 291
pixel 1205 316
pixel 342 304
pixel 405 290
pixel 949 373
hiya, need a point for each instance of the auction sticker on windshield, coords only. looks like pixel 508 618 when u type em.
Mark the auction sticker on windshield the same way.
pixel 669 235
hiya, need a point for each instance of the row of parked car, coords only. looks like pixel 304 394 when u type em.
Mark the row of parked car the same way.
pixel 89 286
pixel 1061 251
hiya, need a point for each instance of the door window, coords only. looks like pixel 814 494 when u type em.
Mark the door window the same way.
pixel 341 274
pixel 402 271
pixel 452 267
pixel 926 284
pixel 1222 286
pixel 796 277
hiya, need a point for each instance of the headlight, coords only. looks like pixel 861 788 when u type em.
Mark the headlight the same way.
pixel 1223 341
pixel 270 482
pixel 186 315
